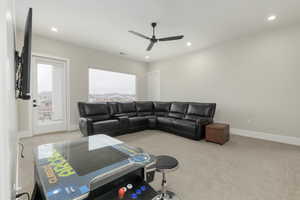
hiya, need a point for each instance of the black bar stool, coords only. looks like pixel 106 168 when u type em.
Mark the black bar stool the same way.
pixel 165 164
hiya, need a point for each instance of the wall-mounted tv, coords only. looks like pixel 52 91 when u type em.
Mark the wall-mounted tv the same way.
pixel 23 62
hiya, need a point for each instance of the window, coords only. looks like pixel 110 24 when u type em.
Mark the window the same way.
pixel 111 86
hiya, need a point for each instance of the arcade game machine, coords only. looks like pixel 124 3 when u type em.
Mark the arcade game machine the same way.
pixel 93 168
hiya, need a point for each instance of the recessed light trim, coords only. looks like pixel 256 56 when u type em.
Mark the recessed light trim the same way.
pixel 188 44
pixel 272 18
pixel 54 29
pixel 147 57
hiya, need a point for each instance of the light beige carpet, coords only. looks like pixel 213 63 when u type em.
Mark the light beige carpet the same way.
pixel 242 169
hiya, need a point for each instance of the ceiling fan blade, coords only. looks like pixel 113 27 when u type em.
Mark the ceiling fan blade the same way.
pixel 139 34
pixel 150 46
pixel 171 38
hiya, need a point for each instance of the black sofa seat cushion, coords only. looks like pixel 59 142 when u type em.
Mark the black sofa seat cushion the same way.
pixel 199 111
pixel 177 110
pixel 107 125
pixel 144 113
pixel 141 119
pixel 150 117
pixel 138 121
pixel 185 125
pixel 94 111
pixel 165 122
pixel 161 108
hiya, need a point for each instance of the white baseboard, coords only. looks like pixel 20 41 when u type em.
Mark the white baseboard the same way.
pixel 26 134
pixel 266 136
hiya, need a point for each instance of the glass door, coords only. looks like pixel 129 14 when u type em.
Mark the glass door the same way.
pixel 49 95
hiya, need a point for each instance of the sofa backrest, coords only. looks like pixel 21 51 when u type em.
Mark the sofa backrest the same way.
pixel 161 108
pixel 113 108
pixel 197 111
pixel 94 111
pixel 144 108
pixel 127 108
pixel 178 110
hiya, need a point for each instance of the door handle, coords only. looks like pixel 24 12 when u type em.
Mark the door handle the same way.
pixel 34 105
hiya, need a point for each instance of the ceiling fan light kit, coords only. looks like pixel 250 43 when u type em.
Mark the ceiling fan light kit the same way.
pixel 153 39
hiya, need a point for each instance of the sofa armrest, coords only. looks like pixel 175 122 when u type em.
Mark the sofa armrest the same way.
pixel 200 127
pixel 124 117
pixel 119 117
pixel 204 121
pixel 124 121
pixel 86 126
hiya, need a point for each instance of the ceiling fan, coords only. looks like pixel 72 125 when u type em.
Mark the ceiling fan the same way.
pixel 153 39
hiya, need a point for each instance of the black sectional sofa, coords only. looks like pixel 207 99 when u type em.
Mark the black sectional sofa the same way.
pixel 115 118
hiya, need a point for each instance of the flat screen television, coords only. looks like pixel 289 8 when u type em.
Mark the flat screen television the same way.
pixel 23 62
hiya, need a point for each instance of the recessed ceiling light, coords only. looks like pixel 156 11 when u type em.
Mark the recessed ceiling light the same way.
pixel 188 44
pixel 54 29
pixel 147 57
pixel 272 17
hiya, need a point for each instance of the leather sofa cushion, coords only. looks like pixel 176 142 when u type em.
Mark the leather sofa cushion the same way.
pixel 138 121
pixel 96 118
pixel 196 117
pixel 203 110
pixel 144 106
pixel 161 106
pixel 198 111
pixel 161 114
pixel 150 117
pixel 90 109
pixel 165 121
pixel 131 114
pixel 113 108
pixel 94 111
pixel 177 110
pixel 184 125
pixel 106 125
pixel 126 107
pixel 144 113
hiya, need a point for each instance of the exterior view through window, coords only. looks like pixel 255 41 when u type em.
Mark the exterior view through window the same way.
pixel 111 86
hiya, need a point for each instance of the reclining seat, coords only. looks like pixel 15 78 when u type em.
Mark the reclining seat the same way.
pixel 129 110
pixel 96 119
pixel 115 113
pixel 179 125
pixel 161 110
pixel 198 115
pixel 146 118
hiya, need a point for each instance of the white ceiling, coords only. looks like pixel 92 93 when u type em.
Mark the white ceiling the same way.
pixel 104 24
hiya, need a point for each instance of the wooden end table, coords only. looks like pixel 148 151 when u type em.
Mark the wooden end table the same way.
pixel 217 133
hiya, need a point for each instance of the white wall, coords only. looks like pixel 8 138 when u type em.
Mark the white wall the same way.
pixel 8 120
pixel 254 80
pixel 153 82
pixel 80 59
